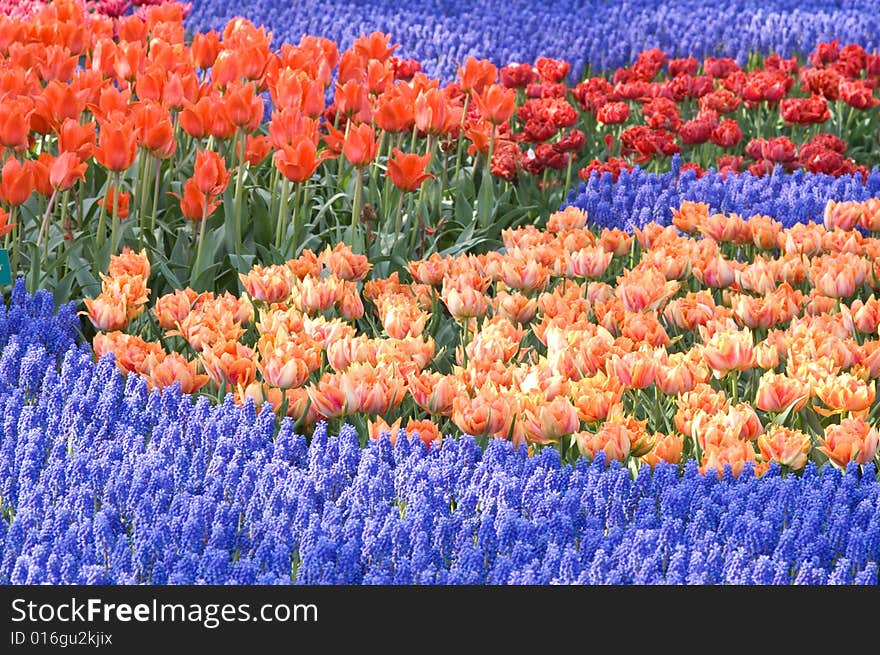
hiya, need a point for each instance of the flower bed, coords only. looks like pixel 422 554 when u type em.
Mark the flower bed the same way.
pixel 103 482
pixel 670 380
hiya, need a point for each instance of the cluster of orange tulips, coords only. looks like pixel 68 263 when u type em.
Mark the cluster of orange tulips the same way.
pixel 120 132
pixel 721 338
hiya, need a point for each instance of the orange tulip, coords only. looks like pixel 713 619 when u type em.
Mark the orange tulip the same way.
pixel 117 145
pixel 66 170
pixel 546 422
pixel 243 107
pixel 345 264
pixel 734 454
pixel 172 368
pixel 433 392
pixel 570 218
pixel 353 102
pixel 485 415
pixel 229 363
pixel 476 74
pixel 172 308
pixel 496 103
pixel 515 307
pixel 73 137
pixel 852 440
pixel 845 393
pixel 132 354
pixel 194 204
pixel 107 312
pixel 155 129
pixel 15 122
pixel 844 215
pixel 680 373
pixel 205 48
pixel 634 370
pixel 283 366
pixel 129 263
pixel 784 445
pixel 197 118
pixel 729 350
pixel 394 114
pixel 645 289
pixel 407 170
pixel 870 218
pixel 378 426
pixel 426 430
pixel 690 215
pixel 320 294
pixel 298 160
pixel 5 226
pixel 16 182
pixel 596 397
pixel 431 111
pixel 589 262
pixel 667 448
pixel 360 146
pixel 57 102
pixel 123 201
pixel 210 173
pixel 256 149
pixel 267 284
pixel 463 301
pixel 778 392
pixel 401 317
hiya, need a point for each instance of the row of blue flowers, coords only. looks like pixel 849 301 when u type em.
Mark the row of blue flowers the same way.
pixel 103 482
pixel 639 197
pixel 603 34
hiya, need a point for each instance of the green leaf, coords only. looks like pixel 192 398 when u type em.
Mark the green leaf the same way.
pixel 485 201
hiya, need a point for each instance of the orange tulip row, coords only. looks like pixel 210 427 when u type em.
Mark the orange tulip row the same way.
pixel 739 342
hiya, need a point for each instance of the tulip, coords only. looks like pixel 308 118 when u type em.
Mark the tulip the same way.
pixel 852 440
pixel 496 103
pixel 172 368
pixel 16 182
pixel 117 145
pixel 407 170
pixel 122 200
pixel 784 445
pixel 210 175
pixel 360 146
pixel 66 170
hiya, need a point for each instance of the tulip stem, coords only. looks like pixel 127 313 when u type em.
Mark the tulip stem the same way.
pixel 464 342
pixel 45 226
pixel 239 145
pixel 144 173
pixel 198 262
pixel 356 203
pixel 397 217
pixel 13 241
pixel 155 206
pixel 273 186
pixel 296 218
pixel 461 139
pixel 115 219
pixel 282 212
pixel 567 177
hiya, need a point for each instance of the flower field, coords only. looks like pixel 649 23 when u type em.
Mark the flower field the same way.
pixel 362 294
